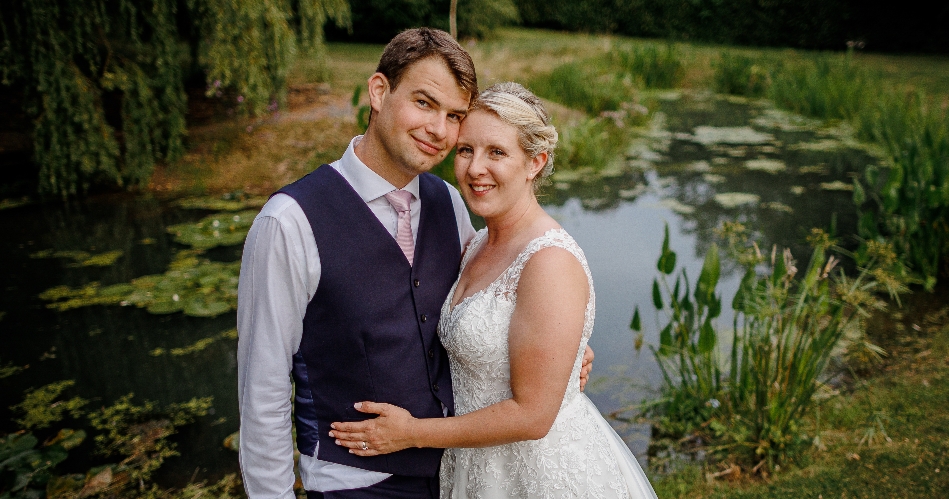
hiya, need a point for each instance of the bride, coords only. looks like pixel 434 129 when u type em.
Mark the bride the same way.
pixel 515 326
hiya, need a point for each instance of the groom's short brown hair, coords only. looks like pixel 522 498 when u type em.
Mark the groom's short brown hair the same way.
pixel 413 45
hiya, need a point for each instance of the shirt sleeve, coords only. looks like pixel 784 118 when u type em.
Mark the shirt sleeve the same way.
pixel 466 231
pixel 273 293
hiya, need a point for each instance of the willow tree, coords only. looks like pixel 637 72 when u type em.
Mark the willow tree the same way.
pixel 103 80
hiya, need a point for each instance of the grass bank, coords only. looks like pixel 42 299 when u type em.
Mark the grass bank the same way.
pixel 885 436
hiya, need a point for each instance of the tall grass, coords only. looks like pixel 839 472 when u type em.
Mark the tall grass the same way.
pixel 741 75
pixel 651 66
pixel 747 407
pixel 589 86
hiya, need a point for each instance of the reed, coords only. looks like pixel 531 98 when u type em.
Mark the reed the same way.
pixel 747 406
pixel 651 66
pixel 590 86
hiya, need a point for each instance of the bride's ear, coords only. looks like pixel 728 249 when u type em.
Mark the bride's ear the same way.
pixel 537 164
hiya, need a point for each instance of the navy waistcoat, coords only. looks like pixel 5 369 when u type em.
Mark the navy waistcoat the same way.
pixel 369 332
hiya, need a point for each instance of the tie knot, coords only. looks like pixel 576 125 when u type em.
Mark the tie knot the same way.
pixel 400 200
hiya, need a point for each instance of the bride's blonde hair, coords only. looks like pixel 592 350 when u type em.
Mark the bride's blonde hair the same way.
pixel 518 107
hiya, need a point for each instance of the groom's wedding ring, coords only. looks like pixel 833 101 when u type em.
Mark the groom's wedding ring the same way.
pixel 364 445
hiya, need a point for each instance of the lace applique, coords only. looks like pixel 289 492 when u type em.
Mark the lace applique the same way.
pixel 574 459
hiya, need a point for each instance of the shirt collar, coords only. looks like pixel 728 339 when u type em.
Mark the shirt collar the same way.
pixel 367 183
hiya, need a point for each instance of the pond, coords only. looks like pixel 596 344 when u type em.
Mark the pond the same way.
pixel 75 304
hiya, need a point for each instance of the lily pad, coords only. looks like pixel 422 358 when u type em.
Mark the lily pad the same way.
pixel 700 166
pixel 203 343
pixel 825 145
pixel 766 165
pixel 220 229
pixel 81 258
pixel 736 199
pixel 737 135
pixel 712 178
pixel 776 206
pixel 797 190
pixel 676 206
pixel 783 120
pixel 836 185
pixel 196 286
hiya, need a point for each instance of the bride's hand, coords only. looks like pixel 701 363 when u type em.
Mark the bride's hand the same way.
pixel 390 432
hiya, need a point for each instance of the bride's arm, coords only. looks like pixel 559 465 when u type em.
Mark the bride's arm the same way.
pixel 544 334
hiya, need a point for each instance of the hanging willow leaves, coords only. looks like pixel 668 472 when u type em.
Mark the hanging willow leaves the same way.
pixel 103 80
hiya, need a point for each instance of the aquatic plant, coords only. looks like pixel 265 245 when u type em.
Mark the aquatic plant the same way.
pixel 906 200
pixel 196 286
pixel 219 229
pixel 748 404
pixel 651 66
pixel 81 258
pixel 230 334
pixel 136 434
pixel 593 143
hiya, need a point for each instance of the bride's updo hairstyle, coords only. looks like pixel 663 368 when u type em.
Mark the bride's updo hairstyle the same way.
pixel 518 107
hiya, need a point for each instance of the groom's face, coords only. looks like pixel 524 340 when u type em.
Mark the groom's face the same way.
pixel 418 121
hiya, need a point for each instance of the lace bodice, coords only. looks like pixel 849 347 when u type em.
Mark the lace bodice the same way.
pixel 578 457
pixel 475 331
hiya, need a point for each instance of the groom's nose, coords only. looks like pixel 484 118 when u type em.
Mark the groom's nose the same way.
pixel 438 126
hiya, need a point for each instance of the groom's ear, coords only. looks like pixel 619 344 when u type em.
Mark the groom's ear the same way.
pixel 378 90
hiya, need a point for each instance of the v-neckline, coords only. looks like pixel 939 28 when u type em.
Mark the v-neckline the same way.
pixel 453 307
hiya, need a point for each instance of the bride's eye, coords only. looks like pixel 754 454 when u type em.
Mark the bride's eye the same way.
pixel 498 153
pixel 464 151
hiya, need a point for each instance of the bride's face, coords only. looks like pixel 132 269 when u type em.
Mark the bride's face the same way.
pixel 493 172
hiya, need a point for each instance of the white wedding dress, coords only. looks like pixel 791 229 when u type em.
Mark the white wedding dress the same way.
pixel 581 456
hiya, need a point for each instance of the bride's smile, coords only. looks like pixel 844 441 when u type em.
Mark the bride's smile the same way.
pixel 493 171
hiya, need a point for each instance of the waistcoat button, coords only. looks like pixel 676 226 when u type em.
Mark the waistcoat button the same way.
pixel 435 387
pixel 416 283
pixel 431 354
pixel 424 317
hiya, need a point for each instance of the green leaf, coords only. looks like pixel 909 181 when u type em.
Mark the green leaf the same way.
pixel 708 279
pixel 859 196
pixel 669 262
pixel 656 295
pixel 706 337
pixel 665 340
pixel 636 324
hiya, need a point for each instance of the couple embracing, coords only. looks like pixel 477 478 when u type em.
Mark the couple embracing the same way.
pixel 428 360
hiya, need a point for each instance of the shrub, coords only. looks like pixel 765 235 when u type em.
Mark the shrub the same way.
pixel 589 86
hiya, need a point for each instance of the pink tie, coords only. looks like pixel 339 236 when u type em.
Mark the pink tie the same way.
pixel 400 200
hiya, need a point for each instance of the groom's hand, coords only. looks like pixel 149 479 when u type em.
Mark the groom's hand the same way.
pixel 390 432
pixel 586 367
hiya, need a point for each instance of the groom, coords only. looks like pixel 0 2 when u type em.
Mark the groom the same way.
pixel 343 277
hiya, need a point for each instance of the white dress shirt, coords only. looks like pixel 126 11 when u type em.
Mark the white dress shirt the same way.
pixel 280 272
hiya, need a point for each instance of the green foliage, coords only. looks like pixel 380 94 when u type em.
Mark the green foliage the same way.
pixel 786 330
pixel 593 143
pixel 811 24
pixel 741 75
pixel 906 200
pixel 81 258
pixel 196 286
pixel 590 86
pixel 232 201
pixel 362 112
pixel 104 81
pixel 379 20
pixel 137 434
pixel 40 408
pixel 220 229
pixel 651 66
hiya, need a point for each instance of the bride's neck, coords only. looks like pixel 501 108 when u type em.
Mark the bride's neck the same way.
pixel 513 225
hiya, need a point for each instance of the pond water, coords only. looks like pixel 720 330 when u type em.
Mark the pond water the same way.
pixel 703 160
